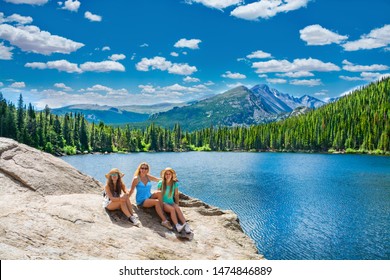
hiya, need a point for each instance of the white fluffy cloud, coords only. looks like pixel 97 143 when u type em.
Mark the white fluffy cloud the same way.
pixel 276 81
pixel 63 95
pixel 285 66
pixel 348 78
pixel 377 38
pixel 32 39
pixel 175 92
pixel 30 2
pixel 60 98
pixel 157 62
pixel 191 43
pixel 316 35
pixel 116 57
pixel 298 74
pixel 99 88
pixel 103 66
pixel 231 75
pixel 16 18
pixel 5 52
pixel 18 85
pixel 176 87
pixel 108 90
pixel 182 69
pixel 92 17
pixel 366 76
pixel 61 65
pixel 348 66
pixel 147 88
pixel 62 86
pixel 309 83
pixel 258 54
pixel 71 5
pixel 217 4
pixel 36 65
pixel 66 66
pixel 162 64
pixel 267 8
pixel 189 79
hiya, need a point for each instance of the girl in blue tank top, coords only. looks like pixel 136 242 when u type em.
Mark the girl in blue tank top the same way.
pixel 144 197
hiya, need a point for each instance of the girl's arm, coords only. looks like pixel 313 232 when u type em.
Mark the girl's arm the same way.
pixel 133 184
pixel 154 179
pixel 109 194
pixel 124 188
pixel 176 199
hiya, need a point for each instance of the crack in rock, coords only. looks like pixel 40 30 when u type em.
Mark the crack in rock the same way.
pixel 16 178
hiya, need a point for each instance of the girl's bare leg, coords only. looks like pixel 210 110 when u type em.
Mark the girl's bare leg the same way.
pixel 156 204
pixel 179 213
pixel 171 210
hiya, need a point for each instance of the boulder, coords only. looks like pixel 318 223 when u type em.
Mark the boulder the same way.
pixel 50 210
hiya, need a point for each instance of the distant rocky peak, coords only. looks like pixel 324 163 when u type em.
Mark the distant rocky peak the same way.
pixel 239 88
pixel 306 97
pixel 310 101
pixel 262 87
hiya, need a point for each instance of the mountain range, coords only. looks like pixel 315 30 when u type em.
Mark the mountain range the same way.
pixel 116 115
pixel 238 106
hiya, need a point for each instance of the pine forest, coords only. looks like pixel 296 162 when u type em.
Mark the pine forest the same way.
pixel 355 123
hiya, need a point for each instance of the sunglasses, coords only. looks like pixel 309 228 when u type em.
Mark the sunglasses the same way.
pixel 114 175
pixel 146 168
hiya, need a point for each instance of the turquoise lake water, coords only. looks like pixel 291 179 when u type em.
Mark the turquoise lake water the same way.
pixel 294 206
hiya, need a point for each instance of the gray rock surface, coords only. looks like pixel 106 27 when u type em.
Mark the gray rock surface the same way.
pixel 50 210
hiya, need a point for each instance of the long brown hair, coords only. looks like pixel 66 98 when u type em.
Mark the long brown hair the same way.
pixel 164 182
pixel 115 189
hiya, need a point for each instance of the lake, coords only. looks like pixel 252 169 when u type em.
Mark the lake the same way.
pixel 294 206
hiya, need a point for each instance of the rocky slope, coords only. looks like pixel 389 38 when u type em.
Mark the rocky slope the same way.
pixel 50 210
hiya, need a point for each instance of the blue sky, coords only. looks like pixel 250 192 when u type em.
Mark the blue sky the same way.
pixel 151 51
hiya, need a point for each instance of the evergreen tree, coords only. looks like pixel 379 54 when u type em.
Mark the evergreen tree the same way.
pixel 20 120
pixel 83 135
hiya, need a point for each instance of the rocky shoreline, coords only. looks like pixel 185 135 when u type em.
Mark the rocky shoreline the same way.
pixel 50 210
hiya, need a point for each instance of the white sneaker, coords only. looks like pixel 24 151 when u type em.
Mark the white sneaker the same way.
pixel 187 228
pixel 179 227
pixel 134 220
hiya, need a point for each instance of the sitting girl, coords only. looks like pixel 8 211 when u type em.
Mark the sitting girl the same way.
pixel 170 196
pixel 113 199
pixel 142 184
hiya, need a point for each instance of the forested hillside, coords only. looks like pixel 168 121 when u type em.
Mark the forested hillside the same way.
pixel 358 122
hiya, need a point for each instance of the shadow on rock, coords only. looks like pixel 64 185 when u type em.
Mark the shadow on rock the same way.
pixel 118 218
pixel 149 219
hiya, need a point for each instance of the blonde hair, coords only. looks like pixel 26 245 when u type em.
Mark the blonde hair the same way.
pixel 137 171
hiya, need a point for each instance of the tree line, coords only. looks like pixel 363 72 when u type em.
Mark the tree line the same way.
pixel 358 122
